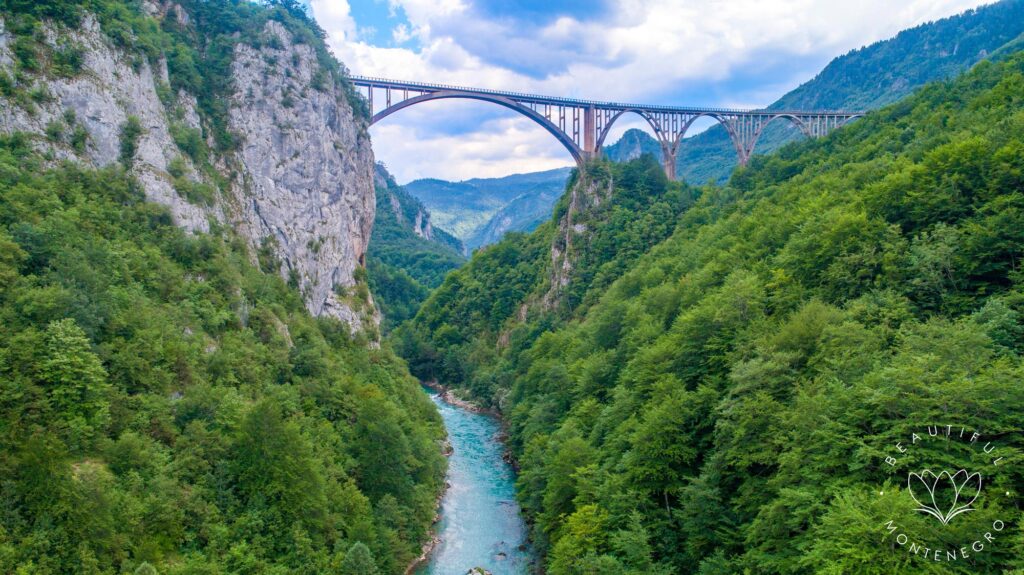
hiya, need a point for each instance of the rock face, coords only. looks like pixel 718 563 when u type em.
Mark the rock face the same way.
pixel 301 181
pixel 102 99
pixel 587 193
pixel 308 170
pixel 633 144
pixel 419 222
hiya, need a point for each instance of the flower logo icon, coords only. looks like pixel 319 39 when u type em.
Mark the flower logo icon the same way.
pixel 944 496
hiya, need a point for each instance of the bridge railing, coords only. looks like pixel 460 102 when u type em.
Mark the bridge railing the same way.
pixel 373 82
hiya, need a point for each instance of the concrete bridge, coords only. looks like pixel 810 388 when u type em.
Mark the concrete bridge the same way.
pixel 582 125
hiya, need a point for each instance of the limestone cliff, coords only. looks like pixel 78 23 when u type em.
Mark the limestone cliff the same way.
pixel 589 190
pixel 307 170
pixel 298 183
pixel 100 100
pixel 408 211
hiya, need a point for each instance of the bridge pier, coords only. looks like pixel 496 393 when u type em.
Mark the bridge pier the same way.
pixel 668 157
pixel 589 131
pixel 669 161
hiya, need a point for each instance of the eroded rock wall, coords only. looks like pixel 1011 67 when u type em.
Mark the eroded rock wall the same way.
pixel 300 182
pixel 307 171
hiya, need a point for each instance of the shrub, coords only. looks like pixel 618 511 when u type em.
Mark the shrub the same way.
pixel 55 131
pixel 131 132
pixel 68 60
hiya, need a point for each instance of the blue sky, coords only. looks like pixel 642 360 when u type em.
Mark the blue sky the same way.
pixel 743 53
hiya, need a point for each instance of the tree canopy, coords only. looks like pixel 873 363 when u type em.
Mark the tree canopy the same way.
pixel 721 384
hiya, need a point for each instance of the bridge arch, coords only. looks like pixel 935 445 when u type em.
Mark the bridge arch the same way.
pixel 562 137
pixel 668 138
pixel 849 119
pixel 583 126
pixel 793 119
pixel 608 125
pixel 745 149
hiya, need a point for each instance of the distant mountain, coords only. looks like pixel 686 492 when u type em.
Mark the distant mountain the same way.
pixel 868 78
pixel 408 256
pixel 458 207
pixel 633 144
pixel 479 211
pixel 522 214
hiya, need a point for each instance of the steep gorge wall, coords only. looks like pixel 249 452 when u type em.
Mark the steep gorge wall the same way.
pixel 102 97
pixel 307 177
pixel 585 195
pixel 300 182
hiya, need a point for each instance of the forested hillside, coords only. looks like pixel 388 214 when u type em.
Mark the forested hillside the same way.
pixel 164 402
pixel 722 400
pixel 864 79
pixel 480 210
pixel 168 404
pixel 407 256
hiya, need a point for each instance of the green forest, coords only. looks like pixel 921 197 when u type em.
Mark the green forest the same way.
pixel 165 403
pixel 717 387
pixel 705 380
pixel 168 405
pixel 402 267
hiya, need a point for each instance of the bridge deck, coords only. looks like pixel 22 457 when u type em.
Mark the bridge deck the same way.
pixel 370 82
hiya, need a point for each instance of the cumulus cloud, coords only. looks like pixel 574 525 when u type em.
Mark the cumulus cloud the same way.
pixel 698 52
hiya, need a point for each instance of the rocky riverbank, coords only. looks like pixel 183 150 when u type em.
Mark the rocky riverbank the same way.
pixel 449 396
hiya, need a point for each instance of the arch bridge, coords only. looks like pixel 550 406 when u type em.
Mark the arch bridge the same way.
pixel 582 125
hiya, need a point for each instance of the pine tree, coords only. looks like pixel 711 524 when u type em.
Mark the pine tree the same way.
pixel 359 561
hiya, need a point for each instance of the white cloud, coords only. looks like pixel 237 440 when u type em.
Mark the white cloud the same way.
pixel 498 148
pixel 637 51
pixel 401 34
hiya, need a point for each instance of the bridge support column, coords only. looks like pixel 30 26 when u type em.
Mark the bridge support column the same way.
pixel 669 161
pixel 742 157
pixel 589 132
pixel 668 156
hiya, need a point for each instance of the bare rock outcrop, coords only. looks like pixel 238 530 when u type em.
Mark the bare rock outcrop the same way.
pixel 307 172
pixel 101 99
pixel 300 182
pixel 586 194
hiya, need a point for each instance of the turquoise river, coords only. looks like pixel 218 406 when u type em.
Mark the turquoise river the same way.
pixel 480 524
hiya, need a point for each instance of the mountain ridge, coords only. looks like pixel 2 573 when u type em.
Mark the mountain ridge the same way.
pixel 476 210
pixel 889 69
